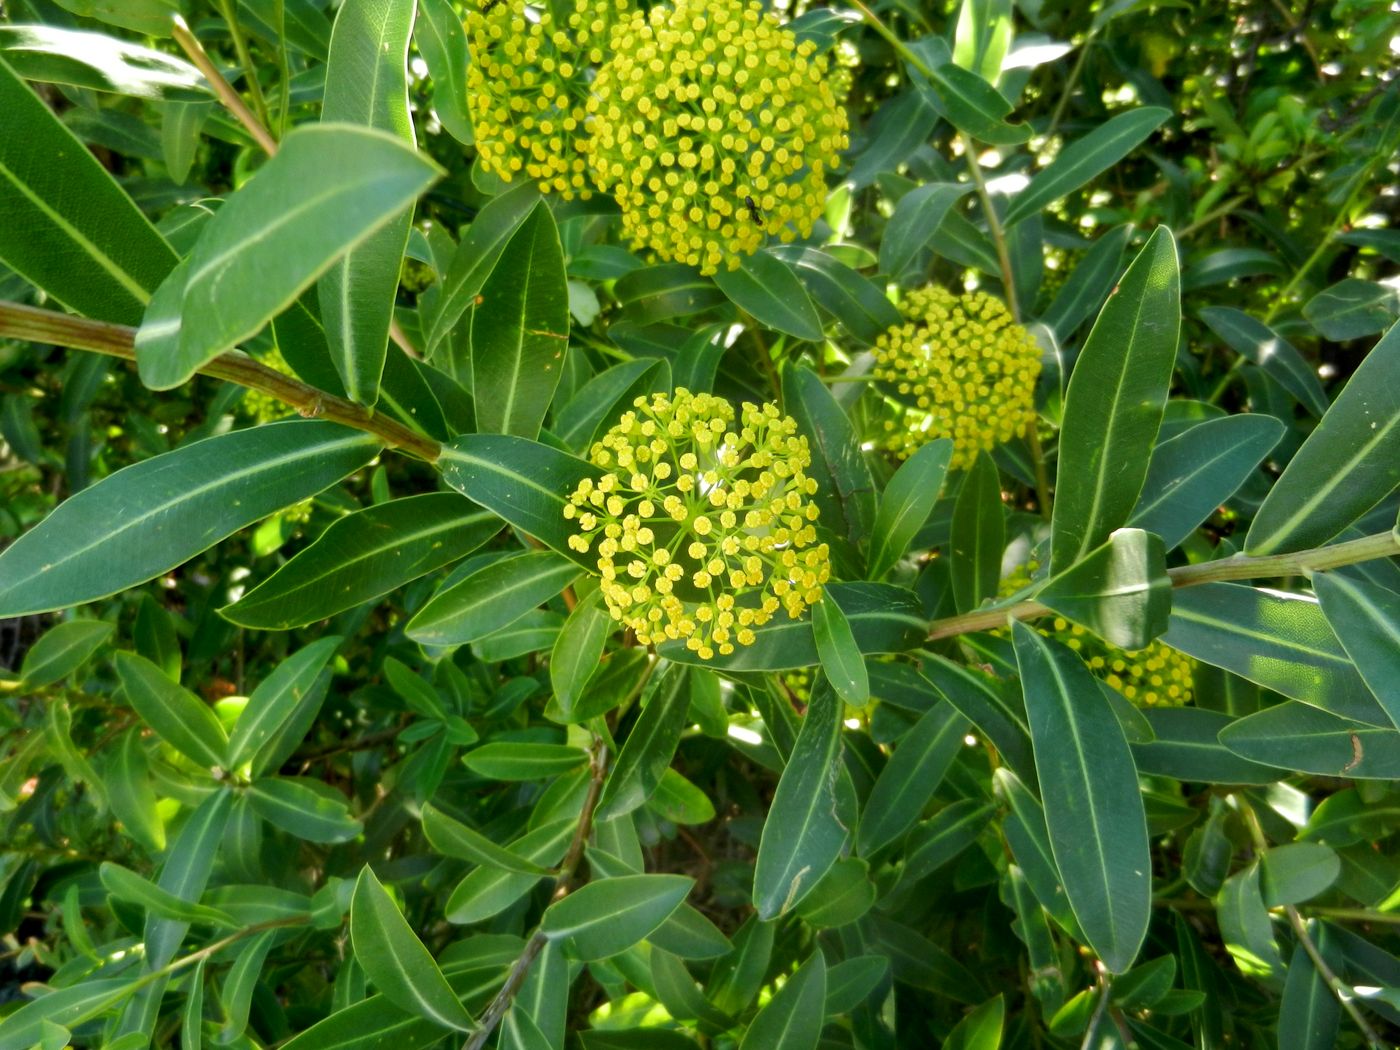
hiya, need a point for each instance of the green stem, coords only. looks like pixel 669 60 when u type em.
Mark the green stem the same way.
pixel 245 58
pixel 1237 567
pixel 1070 84
pixel 190 44
pixel 18 321
pixel 1363 178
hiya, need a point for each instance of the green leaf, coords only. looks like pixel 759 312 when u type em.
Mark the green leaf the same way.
pixel 857 302
pixel 520 330
pixel 69 228
pixel 100 63
pixel 841 658
pixel 1089 284
pixel 276 701
pixel 979 1030
pixel 905 504
pixel 491 598
pixel 1278 640
pixel 1113 408
pixel 150 517
pixel 362 557
pixel 1185 745
pixel 305 808
pixel 240 984
pixel 1309 1013
pixel 578 650
pixel 328 189
pixel 916 218
pixel 1120 591
pixel 843 896
pixel 1261 345
pixel 792 1019
pixel 768 289
pixel 179 136
pixel 1097 825
pixel 512 761
pixel 942 839
pixel 845 490
pixel 1297 872
pixel 973 106
pixel 367 84
pixel 372 1024
pixel 850 982
pixel 126 885
pixel 61 650
pixel 904 787
pixel 688 934
pixel 70 1007
pixel 156 638
pixel 192 1016
pixel 802 836
pixel 455 839
pixel 1300 737
pixel 179 717
pixel 489 891
pixel 395 960
pixel 1345 467
pixel 186 872
pixel 442 41
pixel 1195 472
pixel 526 483
pixel 1245 927
pixel 647 752
pixel 1366 620
pixel 128 784
pixel 1082 160
pixel 606 917
pixel 978 535
pixel 476 256
pixel 1352 308
pixel 148 17
pixel 602 398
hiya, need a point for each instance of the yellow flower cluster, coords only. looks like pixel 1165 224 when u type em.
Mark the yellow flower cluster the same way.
pixel 702 525
pixel 264 408
pixel 713 127
pixel 961 368
pixel 1155 676
pixel 528 86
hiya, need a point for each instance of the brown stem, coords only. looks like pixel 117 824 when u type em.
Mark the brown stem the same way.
pixel 229 97
pixel 1237 567
pixel 497 1010
pixel 18 321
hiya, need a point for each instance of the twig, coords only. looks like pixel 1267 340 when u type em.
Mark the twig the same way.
pixel 501 1003
pixel 1237 567
pixel 229 97
pixel 18 321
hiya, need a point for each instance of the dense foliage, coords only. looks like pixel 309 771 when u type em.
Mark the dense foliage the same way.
pixel 614 524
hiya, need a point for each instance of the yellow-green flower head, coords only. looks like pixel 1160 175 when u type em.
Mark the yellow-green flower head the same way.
pixel 264 408
pixel 701 524
pixel 714 128
pixel 528 85
pixel 961 368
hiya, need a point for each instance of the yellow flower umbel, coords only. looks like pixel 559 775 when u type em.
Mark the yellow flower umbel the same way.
pixel 713 127
pixel 528 85
pixel 961 368
pixel 1155 676
pixel 702 526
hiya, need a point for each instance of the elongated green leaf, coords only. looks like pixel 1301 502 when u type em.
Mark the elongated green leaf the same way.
pixel 1309 1013
pixel 1280 641
pixel 150 517
pixel 850 982
pixel 600 399
pixel 844 894
pixel 511 761
pixel 606 917
pixel 491 598
pixel 1345 467
pixel 802 836
pixel 1198 470
pixel 979 1030
pixel 1261 345
pixel 792 1019
pixel 99 62
pixel 647 752
pixel 192 1016
pixel 973 106
pixel 978 535
pixel 305 808
pixel 148 17
pixel 475 257
pixel 523 481
pixel 768 289
pixel 916 218
pixel 1098 828
pixel 688 934
pixel 1089 284
pixel 857 302
pixel 942 838
pixel 1080 161
pixel 578 650
pixel 1352 308
pixel 186 872
pixel 1297 872
pixel 126 885
pixel 1114 405
pixel 841 658
pixel 455 839
pixel 845 490
pixel 1120 591
pixel 69 229
pixel 61 651
pixel 395 959
pixel 179 717
pixel 1366 620
pixel 367 84
pixel 364 556
pixel 1185 745
pixel 442 41
pixel 328 189
pixel 520 330
pixel 69 1007
pixel 371 1024
pixel 1301 737
pixel 277 699
pixel 907 783
pixel 489 891
pixel 906 502
pixel 128 784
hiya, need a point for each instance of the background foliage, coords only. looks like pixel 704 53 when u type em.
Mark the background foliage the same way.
pixel 315 731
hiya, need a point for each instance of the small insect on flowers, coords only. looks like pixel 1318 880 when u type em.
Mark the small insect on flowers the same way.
pixel 490 6
pixel 754 213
